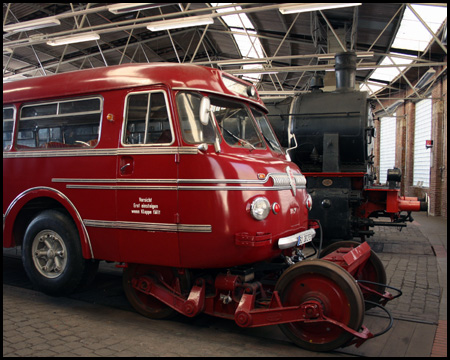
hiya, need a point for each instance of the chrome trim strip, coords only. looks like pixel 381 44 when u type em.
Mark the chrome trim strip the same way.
pixel 230 188
pixel 174 188
pixel 279 179
pixel 22 194
pixel 133 225
pixel 121 187
pixel 144 181
pixel 163 150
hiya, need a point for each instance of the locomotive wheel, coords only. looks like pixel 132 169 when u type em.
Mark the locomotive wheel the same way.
pixel 373 271
pixel 335 289
pixel 145 304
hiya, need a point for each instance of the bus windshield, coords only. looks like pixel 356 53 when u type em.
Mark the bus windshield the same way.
pixel 233 119
pixel 267 131
pixel 236 123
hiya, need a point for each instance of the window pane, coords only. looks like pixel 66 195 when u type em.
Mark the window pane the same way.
pixel 39 110
pixel 136 114
pixel 266 130
pixel 147 120
pixel 8 116
pixel 41 127
pixel 158 123
pixel 194 132
pixel 79 106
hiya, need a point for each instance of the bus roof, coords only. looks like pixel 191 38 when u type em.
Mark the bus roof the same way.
pixel 91 81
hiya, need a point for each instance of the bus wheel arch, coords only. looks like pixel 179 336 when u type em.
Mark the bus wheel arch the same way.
pixel 29 204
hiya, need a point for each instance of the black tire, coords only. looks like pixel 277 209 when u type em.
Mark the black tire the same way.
pixel 338 293
pixel 52 254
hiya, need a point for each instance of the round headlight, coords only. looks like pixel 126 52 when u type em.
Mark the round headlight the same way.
pixel 260 208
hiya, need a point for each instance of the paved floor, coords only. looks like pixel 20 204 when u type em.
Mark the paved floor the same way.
pixel 99 321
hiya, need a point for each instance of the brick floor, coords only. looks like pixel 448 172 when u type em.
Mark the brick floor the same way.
pixel 440 340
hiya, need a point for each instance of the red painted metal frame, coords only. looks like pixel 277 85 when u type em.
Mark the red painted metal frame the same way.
pixel 243 308
pixel 351 259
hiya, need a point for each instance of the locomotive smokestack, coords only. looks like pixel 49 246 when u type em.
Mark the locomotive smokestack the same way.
pixel 345 68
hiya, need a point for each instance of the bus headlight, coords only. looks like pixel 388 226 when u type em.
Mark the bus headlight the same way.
pixel 260 208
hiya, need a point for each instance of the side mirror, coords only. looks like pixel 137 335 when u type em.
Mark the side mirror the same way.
pixel 205 104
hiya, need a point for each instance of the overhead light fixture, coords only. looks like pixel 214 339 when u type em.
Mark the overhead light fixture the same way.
pixel 331 56
pixel 425 79
pixel 74 39
pixel 280 92
pixel 258 73
pixel 391 108
pixel 242 62
pixel 298 8
pixel 31 25
pixel 180 23
pixel 122 8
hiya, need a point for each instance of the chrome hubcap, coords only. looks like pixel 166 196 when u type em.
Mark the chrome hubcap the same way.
pixel 49 254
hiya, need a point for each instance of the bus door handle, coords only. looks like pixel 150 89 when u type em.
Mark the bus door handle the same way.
pixel 126 165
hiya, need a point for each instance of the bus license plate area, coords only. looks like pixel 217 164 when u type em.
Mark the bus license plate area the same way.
pixel 296 239
pixel 305 237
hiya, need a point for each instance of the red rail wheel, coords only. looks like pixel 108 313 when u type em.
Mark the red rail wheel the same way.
pixel 372 271
pixel 337 292
pixel 148 305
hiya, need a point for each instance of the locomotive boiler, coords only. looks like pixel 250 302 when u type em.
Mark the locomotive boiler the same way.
pixel 331 135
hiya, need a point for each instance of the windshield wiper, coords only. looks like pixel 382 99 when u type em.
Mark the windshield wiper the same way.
pixel 272 144
pixel 238 138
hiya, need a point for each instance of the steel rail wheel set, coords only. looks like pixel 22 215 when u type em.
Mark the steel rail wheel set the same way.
pixel 319 304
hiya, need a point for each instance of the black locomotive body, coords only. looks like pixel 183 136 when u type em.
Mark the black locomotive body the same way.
pixel 332 139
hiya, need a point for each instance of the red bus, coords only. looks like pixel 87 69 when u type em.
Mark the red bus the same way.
pixel 174 172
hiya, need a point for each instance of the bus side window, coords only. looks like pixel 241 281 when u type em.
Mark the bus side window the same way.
pixel 147 119
pixel 8 121
pixel 60 124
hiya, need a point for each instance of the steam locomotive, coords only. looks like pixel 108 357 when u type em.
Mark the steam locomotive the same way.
pixel 334 132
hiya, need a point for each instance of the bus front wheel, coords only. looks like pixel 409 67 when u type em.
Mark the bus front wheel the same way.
pixel 51 253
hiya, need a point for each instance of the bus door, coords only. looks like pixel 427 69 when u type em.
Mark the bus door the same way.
pixel 201 204
pixel 147 181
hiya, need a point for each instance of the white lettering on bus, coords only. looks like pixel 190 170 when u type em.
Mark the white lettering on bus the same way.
pixel 143 204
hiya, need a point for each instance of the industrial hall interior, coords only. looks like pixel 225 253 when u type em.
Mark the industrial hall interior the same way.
pixel 233 165
pixel 401 61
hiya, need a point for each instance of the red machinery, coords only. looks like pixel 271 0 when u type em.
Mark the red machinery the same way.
pixel 317 303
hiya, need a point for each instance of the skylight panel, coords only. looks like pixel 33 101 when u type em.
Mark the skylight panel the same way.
pixel 249 46
pixel 412 34
pixel 370 88
pixel 249 50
